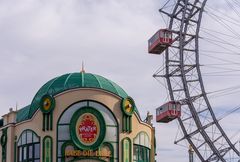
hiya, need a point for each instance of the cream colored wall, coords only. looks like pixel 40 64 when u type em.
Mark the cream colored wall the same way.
pixel 137 127
pixel 66 99
pixel 10 117
pixel 10 144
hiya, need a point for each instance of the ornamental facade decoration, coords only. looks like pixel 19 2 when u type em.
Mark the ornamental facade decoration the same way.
pixel 47 105
pixel 87 128
pixel 128 108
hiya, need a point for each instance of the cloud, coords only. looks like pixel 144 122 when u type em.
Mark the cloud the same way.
pixel 43 39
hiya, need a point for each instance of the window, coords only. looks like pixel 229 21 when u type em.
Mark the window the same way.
pixel 161 34
pixel 166 35
pixel 126 150
pixel 141 148
pixel 63 133
pixel 47 149
pixel 141 153
pixel 28 147
pixel 154 38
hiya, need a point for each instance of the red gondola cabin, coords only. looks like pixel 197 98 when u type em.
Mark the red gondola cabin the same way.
pixel 161 40
pixel 168 112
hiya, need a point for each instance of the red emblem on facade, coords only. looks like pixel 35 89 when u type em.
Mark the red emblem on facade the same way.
pixel 88 128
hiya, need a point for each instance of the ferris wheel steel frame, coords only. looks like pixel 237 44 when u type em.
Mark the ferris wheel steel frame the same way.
pixel 198 122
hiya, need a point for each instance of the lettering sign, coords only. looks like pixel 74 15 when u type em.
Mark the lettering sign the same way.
pixel 89 153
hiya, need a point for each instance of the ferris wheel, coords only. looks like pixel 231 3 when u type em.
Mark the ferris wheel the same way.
pixel 182 43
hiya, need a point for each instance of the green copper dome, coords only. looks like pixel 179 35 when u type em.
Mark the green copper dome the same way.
pixel 66 82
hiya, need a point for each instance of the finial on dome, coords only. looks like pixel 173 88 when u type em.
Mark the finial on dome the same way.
pixel 83 70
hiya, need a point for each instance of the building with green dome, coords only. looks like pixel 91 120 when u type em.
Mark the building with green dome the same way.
pixel 77 117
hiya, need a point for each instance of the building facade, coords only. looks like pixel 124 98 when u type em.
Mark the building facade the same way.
pixel 77 117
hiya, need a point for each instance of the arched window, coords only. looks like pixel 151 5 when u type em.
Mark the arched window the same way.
pixel 126 150
pixel 63 128
pixel 141 148
pixel 28 147
pixel 47 149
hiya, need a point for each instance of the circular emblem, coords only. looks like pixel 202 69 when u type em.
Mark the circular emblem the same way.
pixel 47 104
pixel 128 106
pixel 87 128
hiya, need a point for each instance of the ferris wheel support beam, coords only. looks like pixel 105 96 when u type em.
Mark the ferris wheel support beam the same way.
pixel 184 28
pixel 168 60
pixel 188 14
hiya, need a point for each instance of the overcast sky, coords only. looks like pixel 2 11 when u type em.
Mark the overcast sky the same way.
pixel 42 39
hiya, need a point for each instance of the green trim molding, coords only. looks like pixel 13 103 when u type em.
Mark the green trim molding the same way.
pixel 47 121
pixel 126 124
pixel 128 107
pixel 15 148
pixel 126 150
pixel 47 105
pixel 4 140
pixel 86 122
pixel 47 149
pixel 109 145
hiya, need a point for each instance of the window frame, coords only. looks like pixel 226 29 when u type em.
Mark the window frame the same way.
pixel 141 143
pixel 75 107
pixel 25 143
pixel 129 153
pixel 141 149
